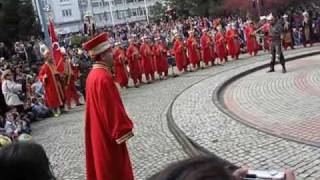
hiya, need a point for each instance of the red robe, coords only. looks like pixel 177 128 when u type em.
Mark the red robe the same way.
pixel 252 44
pixel 134 63
pixel 179 53
pixel 71 75
pixel 206 49
pixel 160 52
pixel 266 38
pixel 193 51
pixel 121 74
pixel 106 125
pixel 53 90
pixel 233 43
pixel 220 46
pixel 147 61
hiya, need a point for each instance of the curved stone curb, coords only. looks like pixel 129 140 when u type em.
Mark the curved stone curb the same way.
pixel 201 121
pixel 219 102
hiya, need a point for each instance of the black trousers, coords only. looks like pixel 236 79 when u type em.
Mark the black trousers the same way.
pixel 276 52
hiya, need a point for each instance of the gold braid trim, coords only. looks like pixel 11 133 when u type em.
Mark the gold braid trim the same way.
pixel 125 137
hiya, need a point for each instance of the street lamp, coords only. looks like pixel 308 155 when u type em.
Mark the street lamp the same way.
pixel 43 9
pixel 147 12
pixel 111 13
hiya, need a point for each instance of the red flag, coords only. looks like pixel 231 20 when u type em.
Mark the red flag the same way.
pixel 56 53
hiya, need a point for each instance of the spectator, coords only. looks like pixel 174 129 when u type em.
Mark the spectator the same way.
pixel 25 161
pixel 205 168
pixel 3 104
pixel 40 110
pixel 16 124
pixel 10 90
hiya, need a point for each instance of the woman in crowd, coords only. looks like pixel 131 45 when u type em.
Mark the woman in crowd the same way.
pixel 10 90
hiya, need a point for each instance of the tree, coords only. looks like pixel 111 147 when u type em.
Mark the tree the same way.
pixel 17 21
pixel 185 8
pixel 157 11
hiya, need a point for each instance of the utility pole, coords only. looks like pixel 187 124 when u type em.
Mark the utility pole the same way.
pixel 43 20
pixel 111 13
pixel 147 12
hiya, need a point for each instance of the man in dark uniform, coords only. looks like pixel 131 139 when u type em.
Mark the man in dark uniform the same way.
pixel 276 31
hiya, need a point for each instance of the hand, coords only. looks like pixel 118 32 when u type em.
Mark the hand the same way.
pixel 290 175
pixel 240 173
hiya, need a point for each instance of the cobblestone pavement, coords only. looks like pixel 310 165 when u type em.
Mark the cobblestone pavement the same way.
pixel 286 105
pixel 199 117
pixel 153 146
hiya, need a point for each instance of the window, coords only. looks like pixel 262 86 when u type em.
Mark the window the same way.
pixel 134 12
pixel 130 1
pixel 95 4
pixel 117 2
pixel 64 0
pixel 105 3
pixel 66 12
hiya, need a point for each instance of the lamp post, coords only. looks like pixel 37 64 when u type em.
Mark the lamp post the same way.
pixel 147 12
pixel 43 10
pixel 111 13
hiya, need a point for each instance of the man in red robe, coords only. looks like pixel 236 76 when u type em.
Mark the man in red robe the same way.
pixel 233 42
pixel 220 43
pixel 252 44
pixel 49 76
pixel 71 74
pixel 160 52
pixel 193 51
pixel 134 63
pixel 107 125
pixel 266 35
pixel 121 72
pixel 147 59
pixel 179 53
pixel 206 48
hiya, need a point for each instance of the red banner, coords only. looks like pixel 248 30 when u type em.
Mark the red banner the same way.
pixel 56 53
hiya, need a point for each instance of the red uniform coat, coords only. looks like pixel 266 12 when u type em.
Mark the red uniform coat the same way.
pixel 266 38
pixel 233 43
pixel 220 46
pixel 206 48
pixel 252 44
pixel 107 124
pixel 53 91
pixel 179 53
pixel 134 63
pixel 193 51
pixel 71 75
pixel 121 74
pixel 160 52
pixel 147 60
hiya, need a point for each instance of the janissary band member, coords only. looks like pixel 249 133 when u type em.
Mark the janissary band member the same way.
pixel 107 126
pixel 120 68
pixel 71 74
pixel 49 76
pixel 179 53
pixel 134 62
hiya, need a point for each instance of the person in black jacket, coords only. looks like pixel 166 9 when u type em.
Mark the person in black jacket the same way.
pixel 276 32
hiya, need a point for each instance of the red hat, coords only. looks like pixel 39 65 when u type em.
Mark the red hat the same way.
pixel 97 45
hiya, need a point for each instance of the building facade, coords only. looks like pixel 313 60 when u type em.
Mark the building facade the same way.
pixel 113 12
pixel 68 14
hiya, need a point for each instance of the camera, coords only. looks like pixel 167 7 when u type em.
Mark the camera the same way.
pixel 264 175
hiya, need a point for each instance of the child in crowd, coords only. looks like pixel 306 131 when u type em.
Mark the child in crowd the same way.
pixel 39 109
pixel 15 124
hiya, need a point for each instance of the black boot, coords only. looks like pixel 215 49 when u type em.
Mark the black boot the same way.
pixel 271 70
pixel 284 70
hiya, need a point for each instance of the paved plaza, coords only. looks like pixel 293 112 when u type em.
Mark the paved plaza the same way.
pixel 285 105
pixel 200 116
